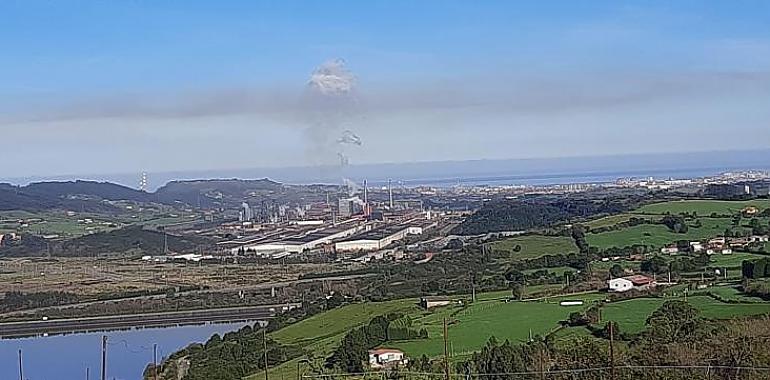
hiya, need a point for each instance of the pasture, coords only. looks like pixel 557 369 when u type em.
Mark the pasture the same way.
pixel 632 314
pixel 533 246
pixel 703 207
pixel 657 235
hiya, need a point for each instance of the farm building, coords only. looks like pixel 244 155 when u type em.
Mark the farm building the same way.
pixel 624 284
pixel 386 357
pixel 431 302
pixel 669 250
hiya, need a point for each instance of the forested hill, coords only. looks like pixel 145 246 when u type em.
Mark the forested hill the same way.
pixel 129 240
pixel 88 195
pixel 518 215
pixel 77 195
pixel 197 191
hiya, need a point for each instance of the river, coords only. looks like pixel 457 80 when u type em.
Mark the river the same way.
pixel 65 357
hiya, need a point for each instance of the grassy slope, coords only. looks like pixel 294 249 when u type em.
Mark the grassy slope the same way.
pixel 533 246
pixel 614 219
pixel 321 333
pixel 702 207
pixel 471 327
pixel 631 314
pixel 658 235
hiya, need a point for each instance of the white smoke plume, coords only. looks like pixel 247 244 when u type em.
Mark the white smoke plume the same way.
pixel 330 103
pixel 332 79
pixel 348 137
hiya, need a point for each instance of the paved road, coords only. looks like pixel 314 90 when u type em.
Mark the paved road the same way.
pixel 114 322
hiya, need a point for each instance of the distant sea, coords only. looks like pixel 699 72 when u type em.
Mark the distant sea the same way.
pixel 537 171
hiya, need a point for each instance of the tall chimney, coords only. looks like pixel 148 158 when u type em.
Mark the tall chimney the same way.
pixel 390 194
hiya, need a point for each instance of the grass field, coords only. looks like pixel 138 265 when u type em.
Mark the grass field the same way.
pixel 55 223
pixel 734 260
pixel 558 270
pixel 658 235
pixel 530 291
pixel 632 314
pixel 470 328
pixel 321 333
pixel 614 219
pixel 731 292
pixel 702 207
pixel 533 246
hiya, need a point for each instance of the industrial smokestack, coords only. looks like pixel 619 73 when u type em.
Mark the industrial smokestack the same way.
pixel 366 200
pixel 390 194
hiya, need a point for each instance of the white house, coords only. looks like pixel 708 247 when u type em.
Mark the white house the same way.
pixel 386 357
pixel 431 302
pixel 637 282
pixel 620 285
pixel 669 250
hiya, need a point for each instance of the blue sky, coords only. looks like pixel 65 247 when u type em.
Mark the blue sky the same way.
pixel 125 86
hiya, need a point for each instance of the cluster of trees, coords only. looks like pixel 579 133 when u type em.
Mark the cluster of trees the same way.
pixel 232 356
pixel 24 245
pixel 517 215
pixel 675 223
pixel 19 301
pixel 578 261
pixel 631 222
pixel 448 273
pixel 758 288
pixel 675 335
pixel 659 265
pixel 352 352
pixel 758 228
pixel 756 269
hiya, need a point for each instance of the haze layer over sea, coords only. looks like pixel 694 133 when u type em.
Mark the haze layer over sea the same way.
pixel 536 171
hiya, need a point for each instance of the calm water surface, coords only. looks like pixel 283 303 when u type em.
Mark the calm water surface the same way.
pixel 65 357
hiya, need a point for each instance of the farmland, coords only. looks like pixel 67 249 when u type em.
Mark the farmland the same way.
pixel 632 314
pixel 612 220
pixel 702 207
pixel 471 326
pixel 533 246
pixel 70 224
pixel 658 235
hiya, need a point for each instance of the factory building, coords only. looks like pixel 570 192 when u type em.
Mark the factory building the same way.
pixel 350 206
pixel 375 239
pixel 301 243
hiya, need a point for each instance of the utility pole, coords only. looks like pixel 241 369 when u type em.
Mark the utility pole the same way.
pixel 612 352
pixel 21 367
pixel 541 364
pixel 473 288
pixel 264 344
pixel 446 353
pixel 155 361
pixel 104 357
